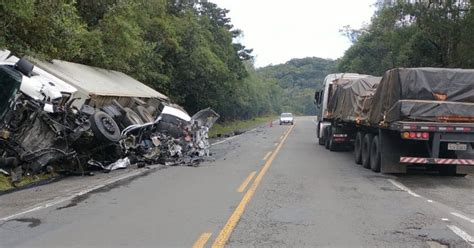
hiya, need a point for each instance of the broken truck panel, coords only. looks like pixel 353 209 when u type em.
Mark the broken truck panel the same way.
pixel 173 138
pixel 206 117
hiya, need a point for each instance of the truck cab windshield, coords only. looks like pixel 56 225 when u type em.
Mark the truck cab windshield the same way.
pixel 10 81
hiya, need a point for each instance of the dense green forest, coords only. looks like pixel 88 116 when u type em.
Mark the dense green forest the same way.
pixel 183 48
pixel 299 78
pixel 187 50
pixel 418 34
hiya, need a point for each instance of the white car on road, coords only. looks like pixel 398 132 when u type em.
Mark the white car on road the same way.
pixel 286 118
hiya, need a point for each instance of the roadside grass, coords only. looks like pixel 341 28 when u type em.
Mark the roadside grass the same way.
pixel 231 127
pixel 5 182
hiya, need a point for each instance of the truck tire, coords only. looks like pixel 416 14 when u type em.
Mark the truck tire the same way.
pixel 104 127
pixel 320 139
pixel 375 154
pixel 152 110
pixel 131 118
pixel 144 114
pixel 327 137
pixel 366 143
pixel 358 148
pixel 113 111
pixel 332 146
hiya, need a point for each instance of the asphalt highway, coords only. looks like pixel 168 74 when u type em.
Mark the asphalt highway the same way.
pixel 269 187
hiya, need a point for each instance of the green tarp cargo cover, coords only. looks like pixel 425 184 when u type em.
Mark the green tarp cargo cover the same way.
pixel 352 100
pixel 424 94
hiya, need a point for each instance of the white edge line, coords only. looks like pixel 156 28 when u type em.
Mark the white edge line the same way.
pixel 68 198
pixel 403 187
pixel 222 141
pixel 462 217
pixel 458 231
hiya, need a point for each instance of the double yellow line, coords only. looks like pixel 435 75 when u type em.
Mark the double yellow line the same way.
pixel 229 227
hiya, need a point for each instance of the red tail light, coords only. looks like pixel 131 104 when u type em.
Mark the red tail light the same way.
pixel 416 135
pixel 425 135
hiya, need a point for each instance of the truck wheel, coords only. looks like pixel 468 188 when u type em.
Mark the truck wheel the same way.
pixel 152 110
pixel 131 118
pixel 332 146
pixel 366 143
pixel 104 127
pixel 375 155
pixel 326 140
pixel 320 140
pixel 144 114
pixel 113 111
pixel 358 148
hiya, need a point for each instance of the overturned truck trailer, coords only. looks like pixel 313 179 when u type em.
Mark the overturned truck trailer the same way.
pixel 412 116
pixel 137 108
pixel 126 99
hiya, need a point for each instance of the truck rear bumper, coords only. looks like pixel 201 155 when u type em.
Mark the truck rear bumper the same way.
pixel 438 161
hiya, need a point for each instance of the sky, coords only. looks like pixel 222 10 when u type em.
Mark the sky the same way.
pixel 279 30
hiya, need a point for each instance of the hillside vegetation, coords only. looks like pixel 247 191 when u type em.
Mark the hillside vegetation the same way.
pixel 418 34
pixel 182 48
pixel 299 78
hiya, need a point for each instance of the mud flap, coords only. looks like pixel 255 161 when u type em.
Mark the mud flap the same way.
pixel 390 147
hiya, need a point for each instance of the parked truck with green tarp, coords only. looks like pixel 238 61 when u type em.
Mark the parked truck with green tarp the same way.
pixel 421 117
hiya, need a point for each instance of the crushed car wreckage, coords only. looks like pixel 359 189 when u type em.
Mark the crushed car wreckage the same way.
pixel 42 130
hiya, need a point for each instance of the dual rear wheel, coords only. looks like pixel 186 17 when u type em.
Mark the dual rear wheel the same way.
pixel 367 151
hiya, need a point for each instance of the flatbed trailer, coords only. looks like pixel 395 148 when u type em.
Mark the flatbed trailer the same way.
pixel 390 147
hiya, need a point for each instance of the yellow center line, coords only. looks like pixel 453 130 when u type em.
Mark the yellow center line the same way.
pixel 202 240
pixel 246 182
pixel 266 155
pixel 227 230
